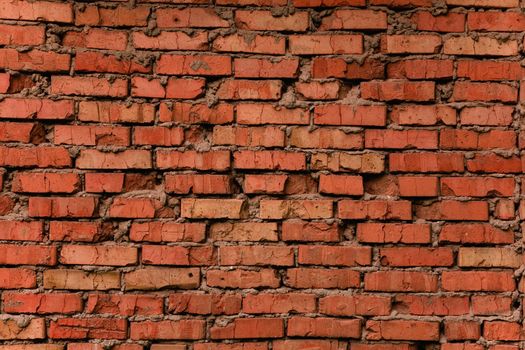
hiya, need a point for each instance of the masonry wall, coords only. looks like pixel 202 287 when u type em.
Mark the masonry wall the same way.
pixel 261 174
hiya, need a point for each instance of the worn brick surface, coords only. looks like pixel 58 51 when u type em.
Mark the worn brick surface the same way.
pixel 262 175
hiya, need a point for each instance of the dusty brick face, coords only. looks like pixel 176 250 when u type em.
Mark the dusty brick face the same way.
pixel 261 174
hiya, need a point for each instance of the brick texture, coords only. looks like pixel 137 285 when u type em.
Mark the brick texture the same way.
pixel 262 175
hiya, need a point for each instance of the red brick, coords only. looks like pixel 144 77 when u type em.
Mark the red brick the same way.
pixel 264 68
pixel 205 304
pixel 402 3
pixel 81 280
pixel 410 44
pixel 256 255
pixel 296 230
pixel 488 281
pixel 127 159
pixel 249 328
pixel 393 233
pixel 475 233
pixel 188 113
pixel 334 44
pixel 490 70
pixel 265 183
pixel 200 256
pixel 402 330
pixel 318 90
pixel 211 160
pixel 96 38
pixel 341 184
pixel 496 21
pixel 264 20
pixel 487 116
pixel 269 160
pixel 91 135
pixel 34 60
pixel 98 255
pixel 467 91
pixel 394 90
pixel 483 46
pixel 322 278
pixel 274 303
pixel 212 208
pixel 401 139
pixel 501 330
pixel 354 19
pixel 230 346
pixel 21 35
pixel 494 163
pixel 418 186
pixel 82 328
pixel 120 16
pixel 42 11
pixel 483 3
pixel 477 186
pixel 454 211
pixel 42 303
pixel 338 114
pixel 304 137
pixel 488 257
pixel 75 231
pixel 327 3
pixel 194 65
pixel 432 305
pixel 62 207
pixel 303 209
pixel 416 257
pixel 334 256
pixel 130 208
pixel 21 328
pixel 170 41
pixel 15 278
pixel 21 230
pixel 421 69
pixel 487 305
pixel 324 327
pixel 426 162
pixel 27 255
pixel 244 231
pixel 423 115
pixel 174 88
pixel 45 182
pixel 124 305
pixel 20 132
pixel 197 183
pixel 64 85
pixel 157 135
pixel 181 329
pixel 250 90
pixel 238 278
pixel 467 139
pixel 258 44
pixel 159 278
pixel 189 17
pixel 375 209
pixel 401 281
pixel 114 112
pixel 349 305
pixel 269 114
pixel 167 232
pixel 449 23
pixel 91 61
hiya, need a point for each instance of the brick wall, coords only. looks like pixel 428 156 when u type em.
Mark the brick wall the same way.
pixel 261 174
